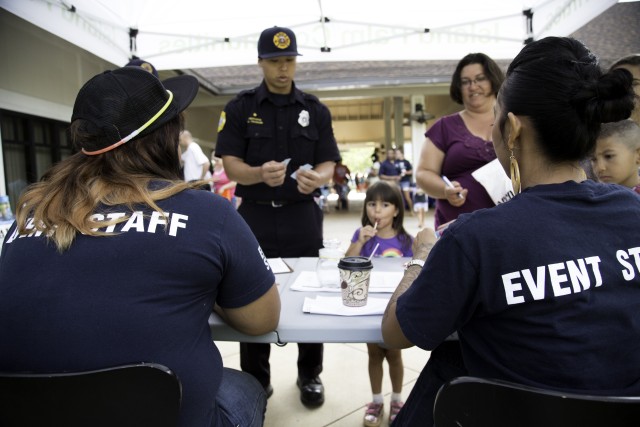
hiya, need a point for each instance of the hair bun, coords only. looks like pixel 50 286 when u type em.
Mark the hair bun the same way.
pixel 616 95
pixel 608 99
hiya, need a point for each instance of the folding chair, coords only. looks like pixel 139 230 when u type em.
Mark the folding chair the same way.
pixel 469 402
pixel 137 395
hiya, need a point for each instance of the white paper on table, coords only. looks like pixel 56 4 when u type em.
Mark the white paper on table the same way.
pixel 279 266
pixel 335 307
pixel 380 282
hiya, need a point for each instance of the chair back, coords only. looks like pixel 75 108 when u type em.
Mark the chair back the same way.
pixel 469 402
pixel 122 396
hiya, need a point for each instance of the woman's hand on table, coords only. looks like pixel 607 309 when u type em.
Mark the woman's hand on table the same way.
pixel 423 243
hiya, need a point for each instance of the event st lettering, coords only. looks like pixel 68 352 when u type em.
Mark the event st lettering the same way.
pixel 571 276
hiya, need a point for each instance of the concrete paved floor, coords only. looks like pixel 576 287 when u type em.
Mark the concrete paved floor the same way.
pixel 345 375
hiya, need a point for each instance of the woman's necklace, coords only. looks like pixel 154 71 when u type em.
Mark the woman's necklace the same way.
pixel 479 124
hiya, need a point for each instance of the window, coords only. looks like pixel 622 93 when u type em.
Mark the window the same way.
pixel 30 146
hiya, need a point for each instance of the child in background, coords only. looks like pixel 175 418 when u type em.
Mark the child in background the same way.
pixel 420 205
pixel 617 154
pixel 222 185
pixel 382 219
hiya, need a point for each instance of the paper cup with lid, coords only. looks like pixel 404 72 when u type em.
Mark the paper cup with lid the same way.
pixel 355 272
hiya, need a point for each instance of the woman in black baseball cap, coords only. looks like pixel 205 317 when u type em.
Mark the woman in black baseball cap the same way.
pixel 114 259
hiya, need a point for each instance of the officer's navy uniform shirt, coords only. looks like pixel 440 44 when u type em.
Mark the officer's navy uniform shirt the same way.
pixel 259 126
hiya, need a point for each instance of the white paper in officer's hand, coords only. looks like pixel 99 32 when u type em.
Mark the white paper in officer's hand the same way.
pixel 304 167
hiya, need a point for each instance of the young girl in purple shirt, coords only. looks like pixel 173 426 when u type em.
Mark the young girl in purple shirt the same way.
pixel 382 219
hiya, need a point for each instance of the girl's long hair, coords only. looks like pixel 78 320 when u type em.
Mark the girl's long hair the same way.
pixel 63 202
pixel 389 193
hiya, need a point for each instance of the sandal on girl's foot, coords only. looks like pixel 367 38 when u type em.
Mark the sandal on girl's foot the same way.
pixel 373 414
pixel 396 405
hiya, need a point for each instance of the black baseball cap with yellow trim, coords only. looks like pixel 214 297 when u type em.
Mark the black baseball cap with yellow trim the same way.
pixel 277 41
pixel 120 105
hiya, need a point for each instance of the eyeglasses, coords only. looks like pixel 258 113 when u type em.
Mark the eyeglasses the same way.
pixel 478 80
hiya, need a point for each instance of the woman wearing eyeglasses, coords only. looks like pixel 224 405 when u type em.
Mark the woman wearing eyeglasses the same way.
pixel 455 147
pixel 458 144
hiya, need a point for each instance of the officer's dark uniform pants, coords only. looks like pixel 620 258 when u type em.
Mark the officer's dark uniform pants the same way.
pixel 291 231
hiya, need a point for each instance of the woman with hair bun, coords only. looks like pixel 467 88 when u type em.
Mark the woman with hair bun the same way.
pixel 539 289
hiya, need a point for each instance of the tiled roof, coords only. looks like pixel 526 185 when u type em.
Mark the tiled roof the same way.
pixel 318 75
pixel 613 34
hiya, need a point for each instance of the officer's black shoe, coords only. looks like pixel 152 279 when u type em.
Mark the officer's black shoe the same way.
pixel 269 390
pixel 311 391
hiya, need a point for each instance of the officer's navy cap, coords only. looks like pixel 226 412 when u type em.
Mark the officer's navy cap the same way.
pixel 147 66
pixel 277 41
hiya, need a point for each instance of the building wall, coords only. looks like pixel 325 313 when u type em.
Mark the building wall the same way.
pixel 40 75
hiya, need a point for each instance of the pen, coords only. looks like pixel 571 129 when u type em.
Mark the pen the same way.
pixel 450 185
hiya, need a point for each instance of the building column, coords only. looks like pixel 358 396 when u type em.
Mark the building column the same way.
pixel 398 121
pixel 386 112
pixel 417 131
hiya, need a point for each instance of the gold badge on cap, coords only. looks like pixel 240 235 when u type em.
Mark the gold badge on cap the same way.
pixel 281 40
pixel 146 66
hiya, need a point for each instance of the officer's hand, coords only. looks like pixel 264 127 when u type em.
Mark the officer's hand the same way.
pixel 273 173
pixel 308 180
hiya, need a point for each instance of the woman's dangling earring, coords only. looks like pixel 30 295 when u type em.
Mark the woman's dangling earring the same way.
pixel 515 174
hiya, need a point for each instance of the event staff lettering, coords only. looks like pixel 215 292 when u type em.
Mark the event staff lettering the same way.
pixel 138 221
pixel 580 274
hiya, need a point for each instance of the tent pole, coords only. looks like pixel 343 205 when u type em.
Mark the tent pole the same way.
pixel 324 48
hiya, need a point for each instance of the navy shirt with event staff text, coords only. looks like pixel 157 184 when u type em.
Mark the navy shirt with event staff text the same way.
pixel 544 290
pixel 142 293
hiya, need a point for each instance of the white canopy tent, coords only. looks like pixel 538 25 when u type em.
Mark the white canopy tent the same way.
pixel 192 34
pixel 199 33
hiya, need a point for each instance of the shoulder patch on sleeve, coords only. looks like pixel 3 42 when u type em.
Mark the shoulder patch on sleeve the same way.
pixel 222 121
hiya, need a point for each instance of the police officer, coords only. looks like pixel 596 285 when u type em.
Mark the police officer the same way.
pixel 277 143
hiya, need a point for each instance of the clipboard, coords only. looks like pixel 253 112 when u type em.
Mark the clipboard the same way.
pixel 278 266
